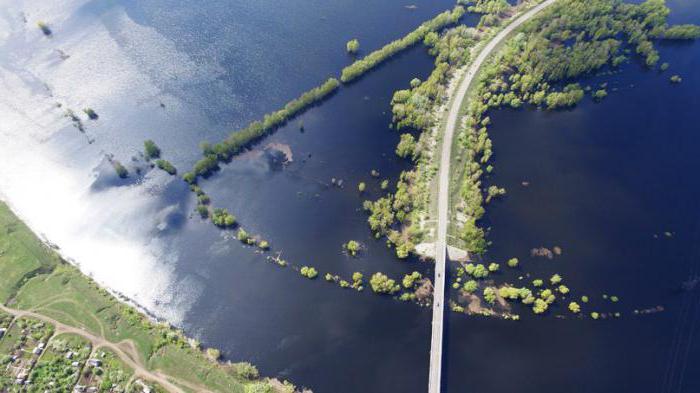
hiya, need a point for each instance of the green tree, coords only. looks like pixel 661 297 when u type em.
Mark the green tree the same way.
pixel 574 307
pixel 490 295
pixel 308 272
pixel 166 166
pixel 540 306
pixel 409 280
pixel 406 146
pixel 352 247
pixel 151 150
pixel 353 46
pixel 513 262
pixel 381 283
pixel 471 286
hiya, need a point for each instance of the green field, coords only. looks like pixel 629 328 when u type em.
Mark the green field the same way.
pixel 34 278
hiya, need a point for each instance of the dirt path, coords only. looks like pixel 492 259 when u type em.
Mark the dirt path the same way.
pixel 443 195
pixel 139 369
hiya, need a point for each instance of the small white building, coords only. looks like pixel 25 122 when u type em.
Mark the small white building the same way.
pixel 94 362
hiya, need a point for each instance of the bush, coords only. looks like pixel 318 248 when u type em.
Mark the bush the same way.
pixel 353 46
pixel 213 354
pixel 471 286
pixel 406 146
pixel 682 32
pixel 91 113
pixel 120 169
pixel 222 218
pixel 166 166
pixel 381 283
pixel 203 211
pixel 44 28
pixel 352 247
pixel 308 272
pixel 151 150
pixel 242 235
pixel 409 280
pixel 574 307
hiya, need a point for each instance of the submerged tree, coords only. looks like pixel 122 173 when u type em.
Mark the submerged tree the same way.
pixel 353 46
pixel 151 150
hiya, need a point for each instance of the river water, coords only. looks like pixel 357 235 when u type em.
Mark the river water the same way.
pixel 604 179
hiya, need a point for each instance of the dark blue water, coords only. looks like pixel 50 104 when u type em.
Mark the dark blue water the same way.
pixel 604 180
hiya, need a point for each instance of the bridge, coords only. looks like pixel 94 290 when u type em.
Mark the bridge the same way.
pixel 435 375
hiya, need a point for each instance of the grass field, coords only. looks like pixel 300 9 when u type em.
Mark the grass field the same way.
pixel 34 278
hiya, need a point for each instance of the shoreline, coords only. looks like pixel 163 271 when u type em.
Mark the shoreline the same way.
pixel 76 264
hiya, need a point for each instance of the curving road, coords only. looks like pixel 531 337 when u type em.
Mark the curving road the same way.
pixel 443 195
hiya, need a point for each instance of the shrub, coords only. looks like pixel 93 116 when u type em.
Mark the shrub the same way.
pixel 91 113
pixel 540 306
pixel 222 218
pixel 409 280
pixel 151 150
pixel 203 211
pixel 471 286
pixel 242 235
pixel 352 247
pixel 308 272
pixel 166 166
pixel 574 307
pixel 353 46
pixel 490 295
pixel 406 146
pixel 381 283
pixel 120 169
pixel 44 28
pixel 213 354
pixel 600 94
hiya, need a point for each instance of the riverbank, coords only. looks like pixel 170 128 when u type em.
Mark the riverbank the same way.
pixel 37 281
